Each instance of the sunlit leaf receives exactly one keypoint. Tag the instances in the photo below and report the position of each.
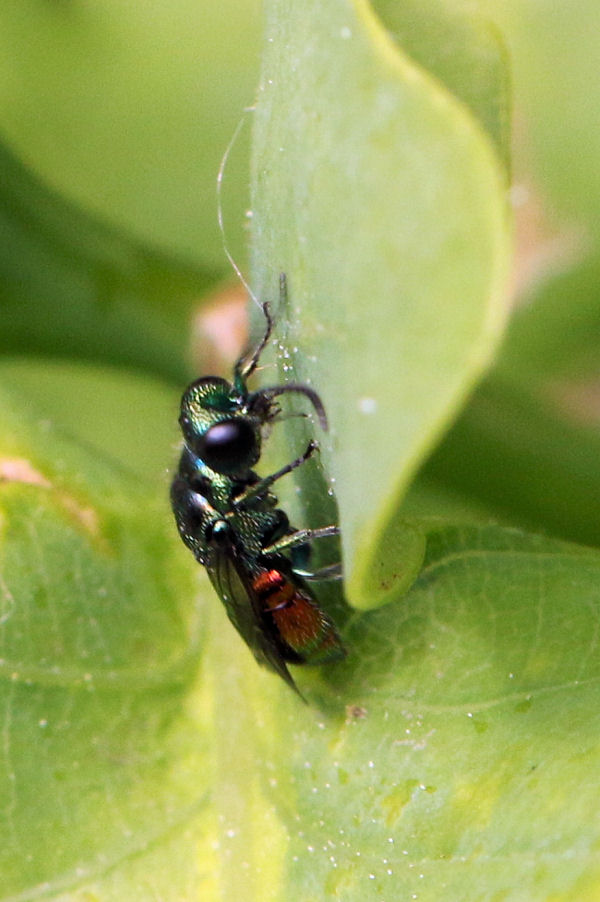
(127, 110)
(381, 198)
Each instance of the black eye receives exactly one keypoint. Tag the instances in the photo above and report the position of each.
(229, 447)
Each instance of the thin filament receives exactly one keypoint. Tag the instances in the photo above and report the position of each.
(220, 176)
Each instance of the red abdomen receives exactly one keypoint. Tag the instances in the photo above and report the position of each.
(302, 627)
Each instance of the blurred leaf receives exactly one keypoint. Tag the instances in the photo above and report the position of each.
(71, 287)
(528, 444)
(557, 334)
(461, 49)
(99, 638)
(555, 55)
(514, 454)
(143, 101)
(128, 418)
(381, 198)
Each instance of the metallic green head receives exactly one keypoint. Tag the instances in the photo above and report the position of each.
(222, 422)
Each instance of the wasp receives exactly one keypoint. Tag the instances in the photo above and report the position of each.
(228, 516)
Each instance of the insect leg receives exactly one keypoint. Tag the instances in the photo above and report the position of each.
(333, 571)
(263, 485)
(274, 391)
(300, 537)
(245, 367)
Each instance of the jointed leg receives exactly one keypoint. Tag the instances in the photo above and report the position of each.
(333, 571)
(244, 367)
(261, 487)
(300, 537)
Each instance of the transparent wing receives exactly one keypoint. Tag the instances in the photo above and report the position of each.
(234, 586)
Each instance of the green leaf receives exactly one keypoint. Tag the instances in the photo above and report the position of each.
(513, 453)
(382, 199)
(527, 446)
(123, 774)
(455, 768)
(555, 337)
(554, 334)
(553, 50)
(128, 419)
(73, 287)
(143, 753)
(99, 637)
(144, 99)
(464, 51)
(401, 756)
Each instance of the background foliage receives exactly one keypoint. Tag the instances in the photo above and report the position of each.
(143, 754)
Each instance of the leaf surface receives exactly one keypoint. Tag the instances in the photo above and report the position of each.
(144, 100)
(99, 640)
(382, 199)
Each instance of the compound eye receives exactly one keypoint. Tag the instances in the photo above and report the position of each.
(229, 447)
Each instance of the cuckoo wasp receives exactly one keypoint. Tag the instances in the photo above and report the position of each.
(227, 515)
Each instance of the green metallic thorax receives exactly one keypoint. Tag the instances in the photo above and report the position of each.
(258, 522)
